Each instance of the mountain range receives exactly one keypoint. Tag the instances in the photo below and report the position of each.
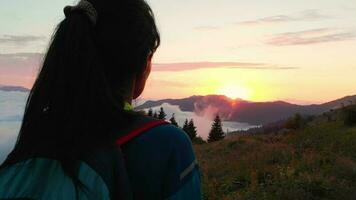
(236, 110)
(239, 110)
(7, 88)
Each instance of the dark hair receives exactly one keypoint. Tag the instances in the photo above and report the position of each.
(79, 94)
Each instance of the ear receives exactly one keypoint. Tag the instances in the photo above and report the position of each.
(141, 79)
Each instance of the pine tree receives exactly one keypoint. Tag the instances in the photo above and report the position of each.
(155, 115)
(162, 114)
(173, 121)
(150, 112)
(192, 132)
(185, 126)
(216, 132)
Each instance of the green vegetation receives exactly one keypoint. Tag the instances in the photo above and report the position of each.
(173, 121)
(350, 115)
(317, 161)
(162, 114)
(150, 112)
(295, 122)
(155, 115)
(216, 132)
(191, 131)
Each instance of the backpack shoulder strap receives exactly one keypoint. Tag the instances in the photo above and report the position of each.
(136, 132)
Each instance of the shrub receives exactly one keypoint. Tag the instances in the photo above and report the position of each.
(350, 115)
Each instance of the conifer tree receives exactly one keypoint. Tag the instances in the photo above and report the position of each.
(162, 114)
(192, 132)
(185, 126)
(173, 121)
(216, 132)
(150, 112)
(155, 115)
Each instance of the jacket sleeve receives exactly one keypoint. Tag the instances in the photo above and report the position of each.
(182, 176)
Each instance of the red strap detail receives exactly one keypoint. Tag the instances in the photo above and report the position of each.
(126, 138)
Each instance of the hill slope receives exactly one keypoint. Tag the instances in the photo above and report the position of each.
(318, 162)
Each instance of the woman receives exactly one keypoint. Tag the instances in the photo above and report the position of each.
(80, 137)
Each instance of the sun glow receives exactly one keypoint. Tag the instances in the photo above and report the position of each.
(234, 92)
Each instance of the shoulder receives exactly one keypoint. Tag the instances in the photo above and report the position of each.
(176, 137)
(164, 138)
(182, 176)
(166, 135)
(165, 155)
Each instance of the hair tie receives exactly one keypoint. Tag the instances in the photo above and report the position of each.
(84, 6)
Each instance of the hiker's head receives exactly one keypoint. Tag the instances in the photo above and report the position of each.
(98, 59)
(120, 38)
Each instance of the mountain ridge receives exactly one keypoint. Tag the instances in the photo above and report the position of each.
(240, 110)
(10, 88)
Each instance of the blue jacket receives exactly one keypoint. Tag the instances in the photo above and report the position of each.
(160, 164)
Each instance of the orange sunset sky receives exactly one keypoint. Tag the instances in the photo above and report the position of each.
(299, 51)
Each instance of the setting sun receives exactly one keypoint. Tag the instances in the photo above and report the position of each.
(234, 92)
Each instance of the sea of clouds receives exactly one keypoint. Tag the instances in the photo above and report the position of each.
(12, 105)
(202, 122)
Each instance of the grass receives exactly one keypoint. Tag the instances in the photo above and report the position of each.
(318, 162)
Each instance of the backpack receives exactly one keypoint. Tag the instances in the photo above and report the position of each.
(102, 173)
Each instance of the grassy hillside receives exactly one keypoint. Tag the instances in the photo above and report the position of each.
(317, 162)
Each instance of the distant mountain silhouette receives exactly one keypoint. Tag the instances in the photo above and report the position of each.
(7, 88)
(239, 110)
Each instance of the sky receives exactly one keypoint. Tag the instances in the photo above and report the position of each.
(300, 51)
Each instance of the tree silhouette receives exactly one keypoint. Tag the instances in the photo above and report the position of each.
(155, 115)
(185, 126)
(350, 116)
(173, 121)
(150, 112)
(216, 132)
(192, 130)
(295, 122)
(162, 114)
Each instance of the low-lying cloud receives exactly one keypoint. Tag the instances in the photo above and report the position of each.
(203, 121)
(12, 105)
(313, 36)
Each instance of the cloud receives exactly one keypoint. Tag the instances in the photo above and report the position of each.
(20, 39)
(306, 15)
(267, 67)
(206, 28)
(175, 84)
(12, 106)
(19, 62)
(19, 68)
(174, 67)
(22, 68)
(313, 36)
